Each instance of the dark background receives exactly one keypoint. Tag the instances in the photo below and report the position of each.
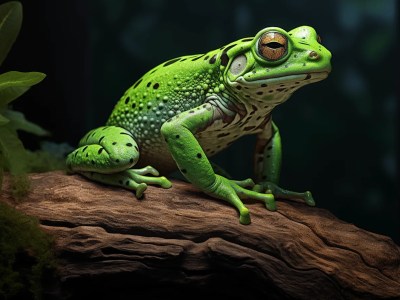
(340, 136)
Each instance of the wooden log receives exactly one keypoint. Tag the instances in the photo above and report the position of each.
(182, 242)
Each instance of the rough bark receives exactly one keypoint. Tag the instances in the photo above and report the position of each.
(182, 242)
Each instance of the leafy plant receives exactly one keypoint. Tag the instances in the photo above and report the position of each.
(25, 251)
(13, 156)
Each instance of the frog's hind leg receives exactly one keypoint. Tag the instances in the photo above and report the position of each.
(107, 154)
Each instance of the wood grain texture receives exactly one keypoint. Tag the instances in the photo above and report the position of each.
(181, 242)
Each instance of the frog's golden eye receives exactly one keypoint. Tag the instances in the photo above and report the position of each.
(272, 45)
(319, 39)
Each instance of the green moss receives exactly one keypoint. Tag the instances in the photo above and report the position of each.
(45, 161)
(20, 186)
(25, 255)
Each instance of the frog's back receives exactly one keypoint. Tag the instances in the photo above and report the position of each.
(165, 91)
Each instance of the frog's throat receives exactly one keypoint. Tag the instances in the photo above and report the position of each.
(310, 77)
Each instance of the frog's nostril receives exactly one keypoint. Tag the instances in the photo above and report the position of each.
(313, 55)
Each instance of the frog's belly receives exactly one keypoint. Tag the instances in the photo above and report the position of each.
(219, 135)
(213, 142)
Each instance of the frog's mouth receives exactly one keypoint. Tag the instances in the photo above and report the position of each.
(298, 79)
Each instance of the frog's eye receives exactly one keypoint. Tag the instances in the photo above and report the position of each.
(272, 45)
(319, 39)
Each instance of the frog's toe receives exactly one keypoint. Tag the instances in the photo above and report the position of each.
(268, 198)
(147, 170)
(278, 192)
(244, 216)
(140, 188)
(270, 203)
(247, 183)
(137, 176)
(308, 198)
(165, 183)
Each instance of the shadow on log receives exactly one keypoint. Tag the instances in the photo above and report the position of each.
(179, 242)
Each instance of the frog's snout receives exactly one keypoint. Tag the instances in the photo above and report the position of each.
(323, 58)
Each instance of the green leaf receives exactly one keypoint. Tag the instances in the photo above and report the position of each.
(18, 122)
(1, 171)
(3, 120)
(13, 84)
(13, 151)
(10, 24)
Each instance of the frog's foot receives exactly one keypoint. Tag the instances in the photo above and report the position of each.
(233, 191)
(139, 176)
(132, 179)
(278, 192)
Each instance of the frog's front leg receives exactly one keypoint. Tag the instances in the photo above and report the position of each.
(107, 155)
(267, 160)
(195, 166)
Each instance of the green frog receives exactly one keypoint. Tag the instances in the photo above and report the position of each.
(184, 111)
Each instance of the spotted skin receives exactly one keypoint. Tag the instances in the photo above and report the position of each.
(104, 150)
(189, 108)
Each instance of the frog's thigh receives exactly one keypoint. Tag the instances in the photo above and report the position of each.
(105, 150)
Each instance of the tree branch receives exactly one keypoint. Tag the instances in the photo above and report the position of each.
(182, 242)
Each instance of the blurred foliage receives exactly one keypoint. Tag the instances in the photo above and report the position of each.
(50, 157)
(24, 249)
(13, 156)
(339, 135)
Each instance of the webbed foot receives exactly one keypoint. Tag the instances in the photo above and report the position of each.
(233, 191)
(278, 192)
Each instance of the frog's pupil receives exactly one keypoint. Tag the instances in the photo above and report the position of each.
(274, 45)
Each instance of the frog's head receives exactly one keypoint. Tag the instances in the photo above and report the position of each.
(275, 63)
